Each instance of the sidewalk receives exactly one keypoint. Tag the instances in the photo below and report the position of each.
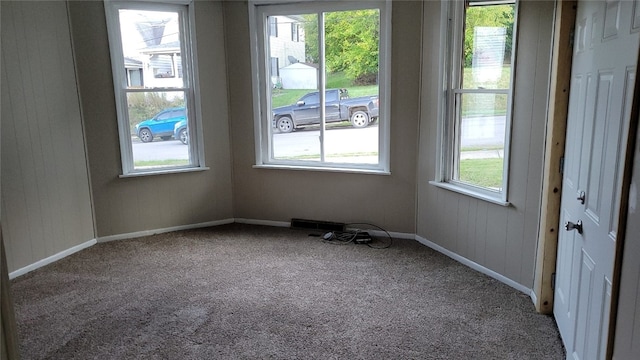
(482, 154)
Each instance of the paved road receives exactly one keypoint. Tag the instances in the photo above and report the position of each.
(159, 150)
(341, 144)
(306, 142)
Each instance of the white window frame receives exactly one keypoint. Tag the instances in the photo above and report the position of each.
(259, 10)
(190, 82)
(452, 41)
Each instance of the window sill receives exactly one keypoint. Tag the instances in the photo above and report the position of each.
(163, 171)
(325, 169)
(470, 192)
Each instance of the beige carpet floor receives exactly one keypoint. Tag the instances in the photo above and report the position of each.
(253, 292)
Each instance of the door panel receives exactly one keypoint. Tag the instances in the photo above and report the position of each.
(605, 54)
(598, 135)
(585, 288)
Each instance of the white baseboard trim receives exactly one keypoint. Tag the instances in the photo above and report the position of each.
(263, 222)
(473, 265)
(138, 234)
(534, 297)
(376, 232)
(51, 259)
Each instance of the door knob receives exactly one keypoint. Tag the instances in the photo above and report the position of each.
(571, 226)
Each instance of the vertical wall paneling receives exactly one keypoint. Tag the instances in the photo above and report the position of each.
(131, 205)
(463, 205)
(472, 228)
(46, 203)
(502, 239)
(480, 235)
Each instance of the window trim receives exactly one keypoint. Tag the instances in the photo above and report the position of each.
(452, 40)
(188, 50)
(263, 151)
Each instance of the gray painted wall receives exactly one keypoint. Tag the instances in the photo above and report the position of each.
(46, 202)
(127, 205)
(499, 238)
(279, 195)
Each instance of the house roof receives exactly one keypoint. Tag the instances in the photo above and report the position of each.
(130, 62)
(167, 48)
(301, 65)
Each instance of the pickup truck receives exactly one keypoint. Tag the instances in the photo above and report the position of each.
(360, 111)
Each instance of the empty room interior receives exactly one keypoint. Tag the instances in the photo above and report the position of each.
(164, 162)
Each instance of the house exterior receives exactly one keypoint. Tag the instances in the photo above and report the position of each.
(286, 43)
(162, 65)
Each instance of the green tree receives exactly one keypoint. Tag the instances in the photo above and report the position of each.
(490, 16)
(351, 43)
(311, 38)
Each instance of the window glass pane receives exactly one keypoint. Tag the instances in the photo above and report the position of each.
(294, 90)
(352, 40)
(481, 140)
(488, 39)
(151, 48)
(351, 79)
(156, 123)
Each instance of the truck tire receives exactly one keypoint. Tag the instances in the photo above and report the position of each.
(285, 124)
(359, 119)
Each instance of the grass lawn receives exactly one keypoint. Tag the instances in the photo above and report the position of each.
(482, 172)
(282, 97)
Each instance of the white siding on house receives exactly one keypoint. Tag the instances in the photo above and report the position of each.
(283, 47)
(46, 204)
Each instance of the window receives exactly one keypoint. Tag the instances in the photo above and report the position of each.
(294, 32)
(153, 77)
(478, 73)
(330, 110)
(275, 67)
(273, 26)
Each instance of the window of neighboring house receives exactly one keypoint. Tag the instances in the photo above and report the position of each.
(294, 32)
(273, 26)
(134, 77)
(275, 68)
(331, 110)
(153, 102)
(476, 115)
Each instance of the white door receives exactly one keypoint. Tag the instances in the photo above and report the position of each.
(604, 59)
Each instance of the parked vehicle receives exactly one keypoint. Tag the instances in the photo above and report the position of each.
(161, 125)
(180, 131)
(361, 111)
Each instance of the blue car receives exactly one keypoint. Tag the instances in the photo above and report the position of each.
(161, 125)
(181, 132)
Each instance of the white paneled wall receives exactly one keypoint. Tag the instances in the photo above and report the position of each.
(46, 202)
(501, 239)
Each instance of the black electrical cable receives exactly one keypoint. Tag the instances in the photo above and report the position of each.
(348, 237)
(385, 246)
(339, 237)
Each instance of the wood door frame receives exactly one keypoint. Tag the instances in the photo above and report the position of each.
(548, 227)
